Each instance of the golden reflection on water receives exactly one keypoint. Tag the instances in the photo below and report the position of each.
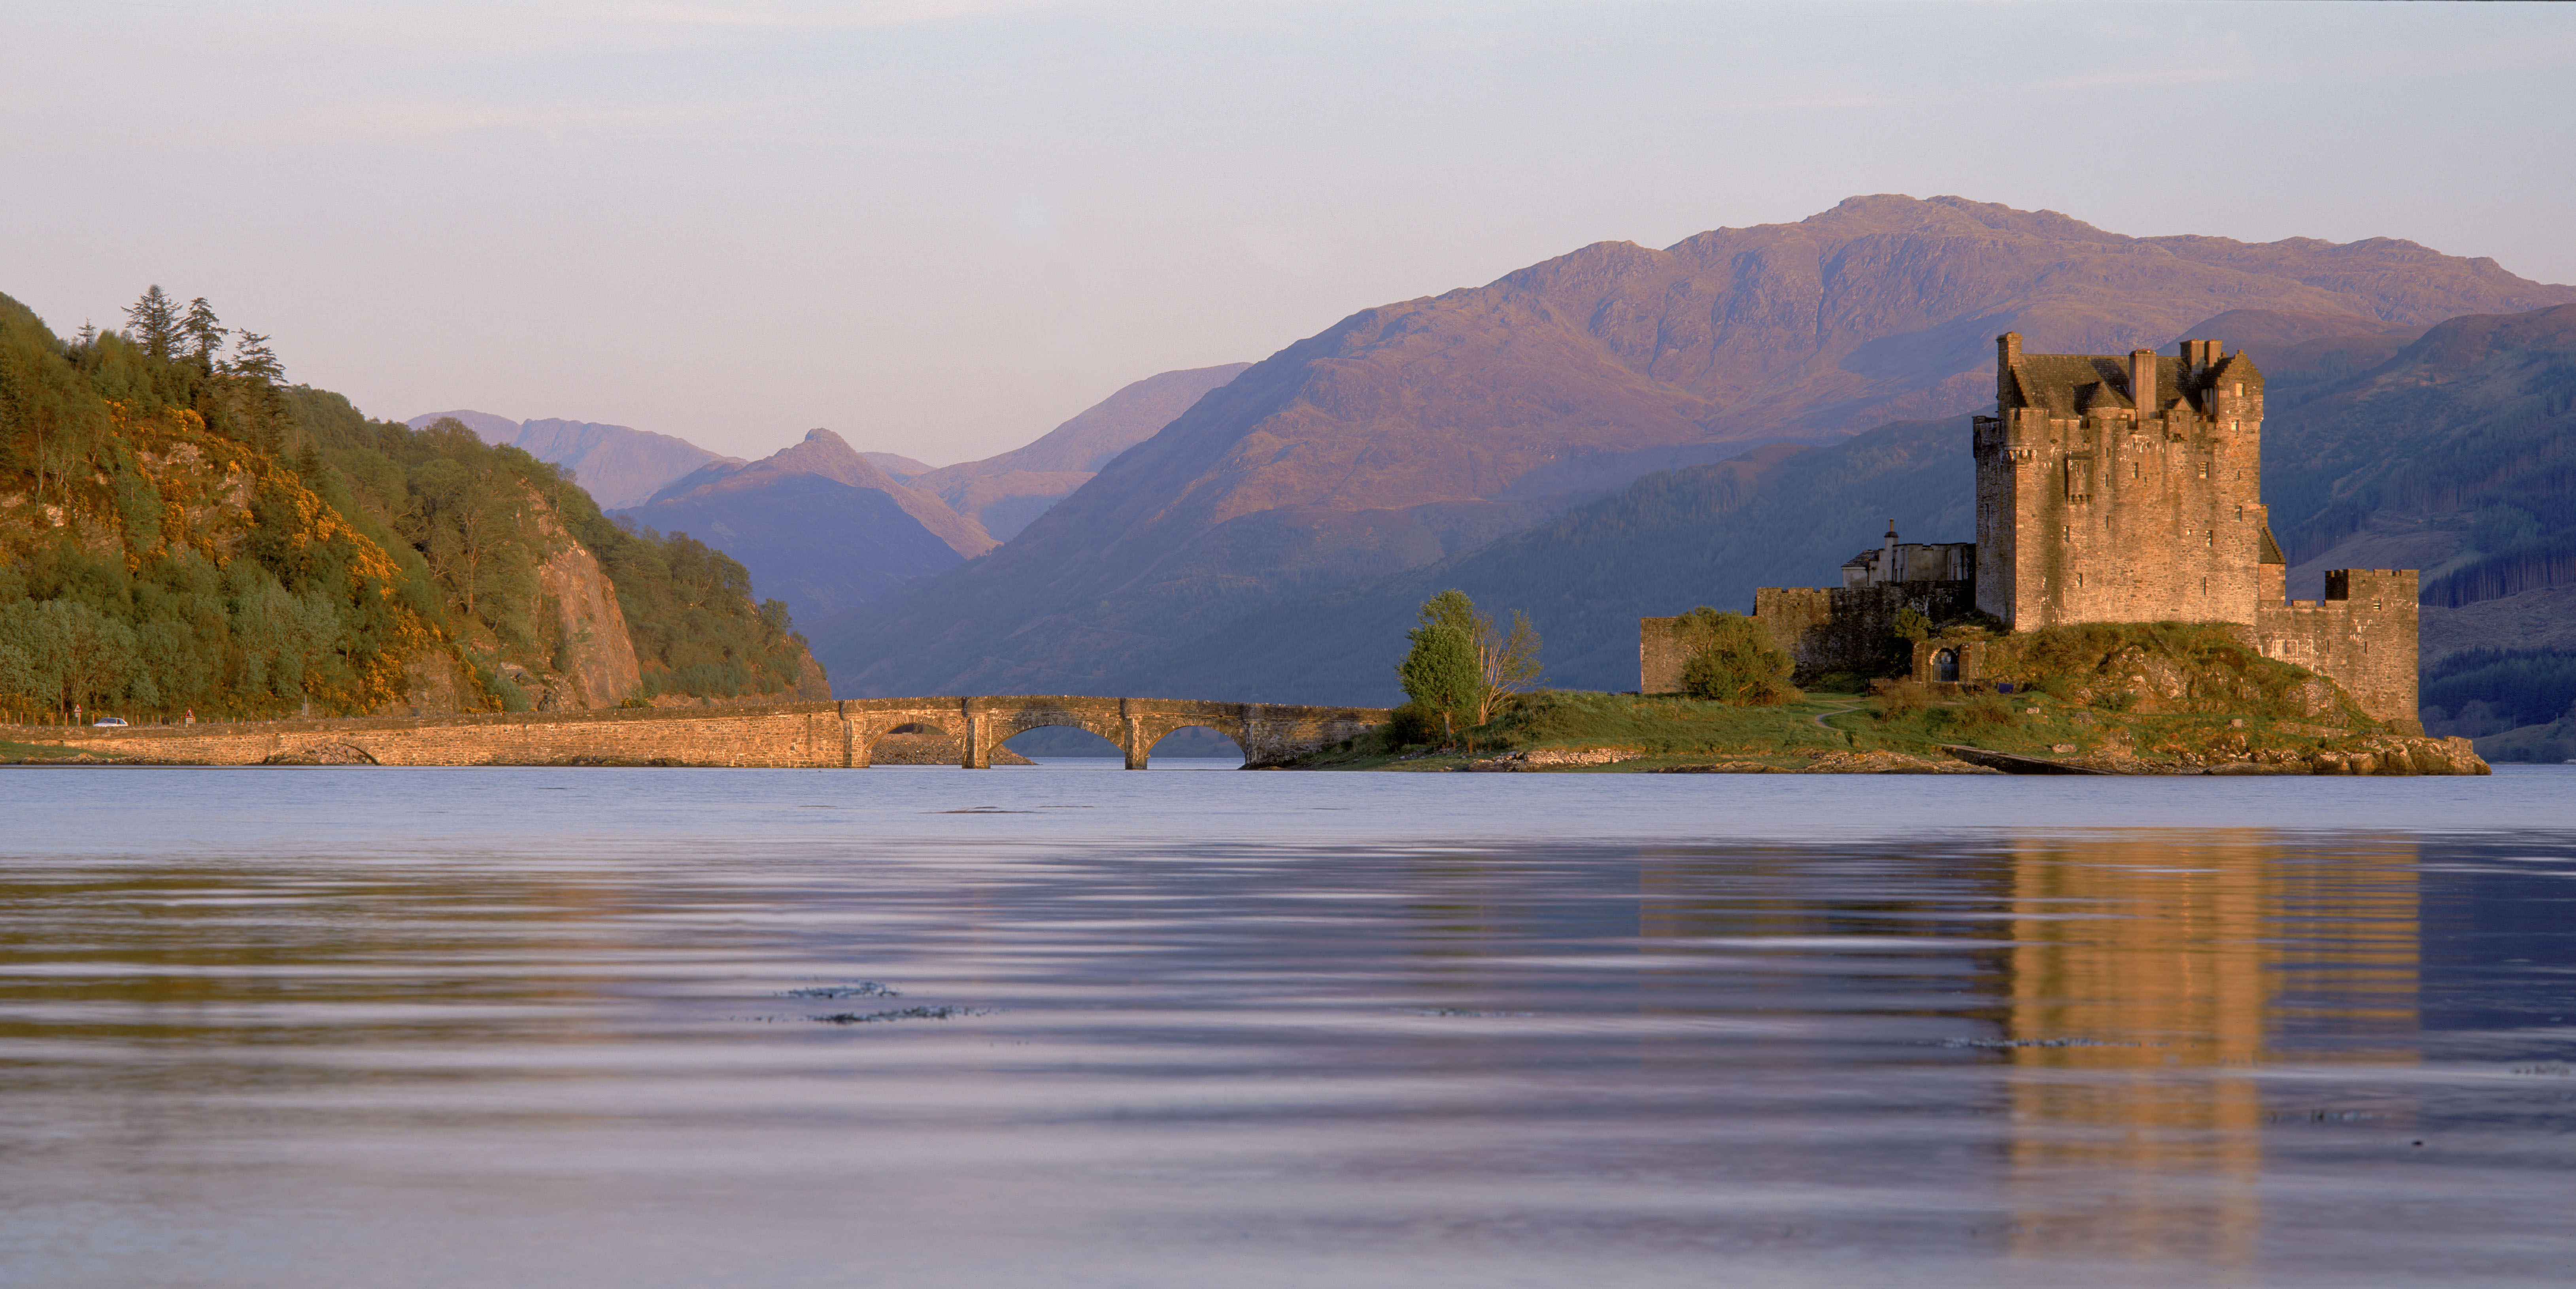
(2148, 981)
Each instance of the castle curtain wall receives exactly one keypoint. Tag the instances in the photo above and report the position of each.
(2363, 635)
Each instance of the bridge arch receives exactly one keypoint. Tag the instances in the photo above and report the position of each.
(1157, 745)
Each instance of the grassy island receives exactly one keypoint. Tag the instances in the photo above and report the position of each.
(2160, 698)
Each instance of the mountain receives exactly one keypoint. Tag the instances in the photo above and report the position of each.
(818, 524)
(1005, 492)
(618, 466)
(1416, 431)
(901, 469)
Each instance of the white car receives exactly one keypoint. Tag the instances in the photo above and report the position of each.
(109, 720)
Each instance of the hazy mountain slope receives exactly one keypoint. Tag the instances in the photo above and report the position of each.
(818, 525)
(2300, 353)
(2457, 456)
(1778, 516)
(815, 542)
(495, 430)
(1005, 492)
(826, 454)
(901, 469)
(1410, 432)
(616, 465)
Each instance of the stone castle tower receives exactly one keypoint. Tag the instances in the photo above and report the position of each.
(2122, 490)
(2109, 489)
(2131, 490)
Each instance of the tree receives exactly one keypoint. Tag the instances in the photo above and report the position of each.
(155, 322)
(1508, 664)
(1462, 666)
(1733, 659)
(205, 335)
(253, 358)
(1439, 673)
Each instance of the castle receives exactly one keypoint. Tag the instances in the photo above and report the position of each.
(2109, 489)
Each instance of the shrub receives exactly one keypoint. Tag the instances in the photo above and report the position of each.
(1734, 660)
(1411, 725)
(1985, 710)
(1900, 697)
(1769, 692)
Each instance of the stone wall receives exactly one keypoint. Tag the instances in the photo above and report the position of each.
(775, 736)
(1823, 628)
(2362, 636)
(1857, 630)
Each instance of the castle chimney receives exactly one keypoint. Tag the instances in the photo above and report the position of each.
(1887, 558)
(2142, 381)
(2007, 356)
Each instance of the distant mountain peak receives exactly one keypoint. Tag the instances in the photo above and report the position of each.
(827, 455)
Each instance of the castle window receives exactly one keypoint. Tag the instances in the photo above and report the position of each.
(2213, 536)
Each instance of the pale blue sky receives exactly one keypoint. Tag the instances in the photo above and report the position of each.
(941, 227)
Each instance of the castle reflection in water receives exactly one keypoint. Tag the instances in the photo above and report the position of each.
(2134, 987)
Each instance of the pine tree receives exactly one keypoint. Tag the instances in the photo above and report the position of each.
(155, 322)
(253, 358)
(204, 333)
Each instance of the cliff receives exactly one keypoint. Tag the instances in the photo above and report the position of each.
(597, 657)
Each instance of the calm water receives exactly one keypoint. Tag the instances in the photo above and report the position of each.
(436, 1027)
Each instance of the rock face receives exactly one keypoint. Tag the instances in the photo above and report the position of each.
(1409, 433)
(600, 668)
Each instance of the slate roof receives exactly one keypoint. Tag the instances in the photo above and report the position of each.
(2070, 384)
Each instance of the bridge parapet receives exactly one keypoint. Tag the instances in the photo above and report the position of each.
(782, 735)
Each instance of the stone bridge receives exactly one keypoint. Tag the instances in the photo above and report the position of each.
(783, 735)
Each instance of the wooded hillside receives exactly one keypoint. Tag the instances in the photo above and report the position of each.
(184, 531)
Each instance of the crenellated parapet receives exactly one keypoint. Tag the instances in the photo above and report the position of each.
(2362, 634)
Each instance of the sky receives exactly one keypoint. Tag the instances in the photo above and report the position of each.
(940, 227)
